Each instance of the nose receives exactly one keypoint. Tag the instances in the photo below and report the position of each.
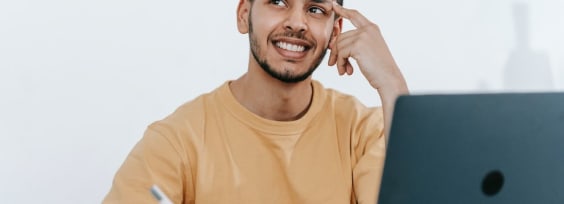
(296, 21)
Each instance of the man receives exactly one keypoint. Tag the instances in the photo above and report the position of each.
(275, 135)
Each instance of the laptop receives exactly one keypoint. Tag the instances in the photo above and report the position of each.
(476, 148)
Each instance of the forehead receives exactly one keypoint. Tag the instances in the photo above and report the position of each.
(305, 1)
(314, 1)
(320, 1)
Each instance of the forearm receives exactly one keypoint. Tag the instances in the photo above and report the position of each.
(388, 95)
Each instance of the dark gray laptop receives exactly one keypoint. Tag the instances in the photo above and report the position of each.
(476, 148)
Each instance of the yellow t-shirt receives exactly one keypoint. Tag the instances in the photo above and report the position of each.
(213, 150)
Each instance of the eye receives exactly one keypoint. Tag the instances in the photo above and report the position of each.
(278, 3)
(316, 10)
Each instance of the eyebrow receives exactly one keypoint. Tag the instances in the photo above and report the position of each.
(321, 1)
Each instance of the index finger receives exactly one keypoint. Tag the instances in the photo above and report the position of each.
(355, 17)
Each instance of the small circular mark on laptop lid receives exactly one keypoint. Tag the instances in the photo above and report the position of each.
(492, 183)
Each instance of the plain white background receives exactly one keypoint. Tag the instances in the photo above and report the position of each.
(81, 80)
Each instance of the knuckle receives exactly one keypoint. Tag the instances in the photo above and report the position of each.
(373, 28)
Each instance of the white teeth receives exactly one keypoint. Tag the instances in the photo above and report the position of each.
(290, 47)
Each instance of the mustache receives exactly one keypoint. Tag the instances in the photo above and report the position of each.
(294, 34)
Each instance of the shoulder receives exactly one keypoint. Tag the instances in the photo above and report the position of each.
(185, 127)
(349, 107)
(353, 116)
(189, 115)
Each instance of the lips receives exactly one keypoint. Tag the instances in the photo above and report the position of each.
(292, 48)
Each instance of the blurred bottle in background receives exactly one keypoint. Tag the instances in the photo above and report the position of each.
(526, 69)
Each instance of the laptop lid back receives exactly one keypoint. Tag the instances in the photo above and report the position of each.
(476, 148)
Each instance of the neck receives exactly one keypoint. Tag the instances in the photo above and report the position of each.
(270, 98)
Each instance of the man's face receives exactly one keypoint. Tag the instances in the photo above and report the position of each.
(289, 38)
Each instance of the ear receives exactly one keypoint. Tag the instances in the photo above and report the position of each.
(243, 10)
(337, 28)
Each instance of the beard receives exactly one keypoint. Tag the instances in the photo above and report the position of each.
(284, 75)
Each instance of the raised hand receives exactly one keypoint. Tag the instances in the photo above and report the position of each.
(366, 45)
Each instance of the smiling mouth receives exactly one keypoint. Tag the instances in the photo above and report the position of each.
(290, 46)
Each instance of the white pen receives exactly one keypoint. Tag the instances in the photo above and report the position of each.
(160, 195)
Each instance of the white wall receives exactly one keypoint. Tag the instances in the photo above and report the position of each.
(80, 80)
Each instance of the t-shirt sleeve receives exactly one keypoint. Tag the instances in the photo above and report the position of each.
(370, 152)
(155, 160)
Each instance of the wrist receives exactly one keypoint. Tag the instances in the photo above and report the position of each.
(390, 91)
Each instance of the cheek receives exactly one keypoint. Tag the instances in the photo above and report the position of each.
(322, 34)
(262, 27)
